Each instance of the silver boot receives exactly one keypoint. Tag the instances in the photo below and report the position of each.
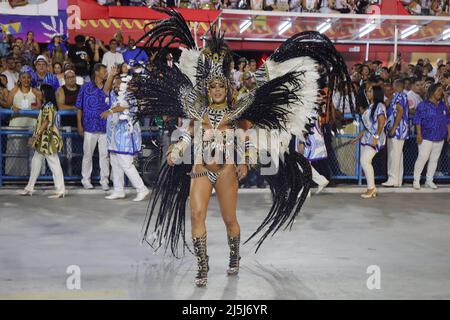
(233, 243)
(202, 261)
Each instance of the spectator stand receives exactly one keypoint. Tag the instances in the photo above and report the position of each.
(265, 30)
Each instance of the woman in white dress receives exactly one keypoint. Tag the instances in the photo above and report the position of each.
(21, 97)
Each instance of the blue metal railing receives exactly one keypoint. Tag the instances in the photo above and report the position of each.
(7, 131)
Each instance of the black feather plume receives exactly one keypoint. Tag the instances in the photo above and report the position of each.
(161, 91)
(271, 104)
(168, 201)
(290, 187)
(172, 30)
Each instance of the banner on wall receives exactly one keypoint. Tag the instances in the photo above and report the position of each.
(29, 7)
(43, 26)
(102, 22)
(12, 28)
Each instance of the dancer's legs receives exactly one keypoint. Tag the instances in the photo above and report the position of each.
(226, 190)
(199, 196)
(367, 154)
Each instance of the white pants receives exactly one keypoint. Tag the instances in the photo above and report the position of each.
(89, 143)
(395, 161)
(367, 154)
(317, 177)
(55, 167)
(428, 151)
(123, 164)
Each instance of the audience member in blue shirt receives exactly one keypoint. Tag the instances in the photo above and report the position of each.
(397, 132)
(92, 101)
(41, 76)
(134, 56)
(432, 121)
(57, 49)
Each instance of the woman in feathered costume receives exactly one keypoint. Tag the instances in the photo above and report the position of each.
(199, 88)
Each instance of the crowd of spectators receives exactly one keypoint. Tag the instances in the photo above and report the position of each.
(427, 7)
(364, 74)
(324, 6)
(415, 7)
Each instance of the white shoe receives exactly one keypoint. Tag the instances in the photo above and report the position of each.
(431, 185)
(87, 185)
(322, 186)
(416, 185)
(57, 195)
(105, 186)
(388, 184)
(25, 192)
(115, 196)
(141, 196)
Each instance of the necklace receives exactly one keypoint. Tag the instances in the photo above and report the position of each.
(218, 106)
(216, 116)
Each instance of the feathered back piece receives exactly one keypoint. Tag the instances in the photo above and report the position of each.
(286, 98)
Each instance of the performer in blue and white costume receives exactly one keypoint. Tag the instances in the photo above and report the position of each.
(314, 149)
(124, 141)
(397, 132)
(372, 136)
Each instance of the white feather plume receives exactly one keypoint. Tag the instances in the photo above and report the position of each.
(188, 63)
(306, 107)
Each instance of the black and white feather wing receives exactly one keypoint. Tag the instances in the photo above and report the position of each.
(166, 91)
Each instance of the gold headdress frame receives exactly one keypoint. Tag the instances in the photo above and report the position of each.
(222, 78)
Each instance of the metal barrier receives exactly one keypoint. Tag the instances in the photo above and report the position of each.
(344, 160)
(15, 155)
(350, 154)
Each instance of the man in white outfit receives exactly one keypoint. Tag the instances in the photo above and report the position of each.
(92, 101)
(398, 132)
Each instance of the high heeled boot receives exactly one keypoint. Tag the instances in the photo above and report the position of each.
(202, 261)
(233, 266)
